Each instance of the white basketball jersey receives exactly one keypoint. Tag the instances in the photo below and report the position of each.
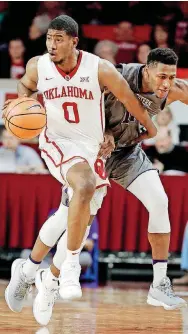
(74, 102)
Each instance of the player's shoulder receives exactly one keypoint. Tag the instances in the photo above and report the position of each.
(106, 66)
(32, 64)
(88, 54)
(89, 58)
(35, 60)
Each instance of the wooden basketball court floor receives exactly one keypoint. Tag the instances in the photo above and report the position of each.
(114, 309)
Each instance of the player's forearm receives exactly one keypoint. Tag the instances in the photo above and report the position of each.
(134, 108)
(25, 91)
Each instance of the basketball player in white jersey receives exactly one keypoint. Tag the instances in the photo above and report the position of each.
(72, 83)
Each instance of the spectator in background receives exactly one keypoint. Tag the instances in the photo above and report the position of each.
(160, 37)
(167, 157)
(184, 260)
(106, 50)
(88, 12)
(52, 8)
(142, 53)
(37, 36)
(164, 120)
(12, 65)
(170, 14)
(125, 40)
(181, 36)
(17, 158)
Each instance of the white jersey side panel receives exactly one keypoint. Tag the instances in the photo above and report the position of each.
(74, 104)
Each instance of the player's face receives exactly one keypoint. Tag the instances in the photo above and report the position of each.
(161, 78)
(60, 45)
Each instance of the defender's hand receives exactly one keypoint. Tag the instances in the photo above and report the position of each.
(107, 146)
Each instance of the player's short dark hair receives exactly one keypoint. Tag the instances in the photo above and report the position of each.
(65, 23)
(162, 55)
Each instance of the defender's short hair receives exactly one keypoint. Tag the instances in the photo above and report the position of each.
(65, 23)
(162, 55)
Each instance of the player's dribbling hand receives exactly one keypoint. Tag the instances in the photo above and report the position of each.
(108, 146)
(6, 104)
(4, 109)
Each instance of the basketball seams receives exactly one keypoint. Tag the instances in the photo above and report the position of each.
(18, 104)
(20, 127)
(13, 132)
(28, 114)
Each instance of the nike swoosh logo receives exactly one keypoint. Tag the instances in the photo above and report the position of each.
(49, 78)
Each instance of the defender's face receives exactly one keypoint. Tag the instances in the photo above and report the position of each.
(60, 45)
(161, 78)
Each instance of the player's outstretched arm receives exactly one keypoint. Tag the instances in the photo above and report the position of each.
(109, 77)
(179, 92)
(27, 85)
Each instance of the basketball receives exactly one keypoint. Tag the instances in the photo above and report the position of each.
(25, 118)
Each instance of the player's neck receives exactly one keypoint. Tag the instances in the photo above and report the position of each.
(70, 63)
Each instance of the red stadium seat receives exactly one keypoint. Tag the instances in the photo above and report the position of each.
(182, 73)
(142, 33)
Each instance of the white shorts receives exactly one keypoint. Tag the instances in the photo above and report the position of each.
(61, 154)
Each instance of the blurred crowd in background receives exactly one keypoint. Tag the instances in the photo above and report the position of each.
(23, 27)
(24, 36)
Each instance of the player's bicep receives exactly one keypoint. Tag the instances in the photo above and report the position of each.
(29, 83)
(109, 77)
(30, 78)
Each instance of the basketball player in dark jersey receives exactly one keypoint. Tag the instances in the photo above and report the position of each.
(155, 85)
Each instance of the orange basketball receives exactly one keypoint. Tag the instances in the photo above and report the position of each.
(25, 118)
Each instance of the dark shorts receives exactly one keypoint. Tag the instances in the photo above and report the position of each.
(125, 165)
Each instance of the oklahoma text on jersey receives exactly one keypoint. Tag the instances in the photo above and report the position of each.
(68, 91)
